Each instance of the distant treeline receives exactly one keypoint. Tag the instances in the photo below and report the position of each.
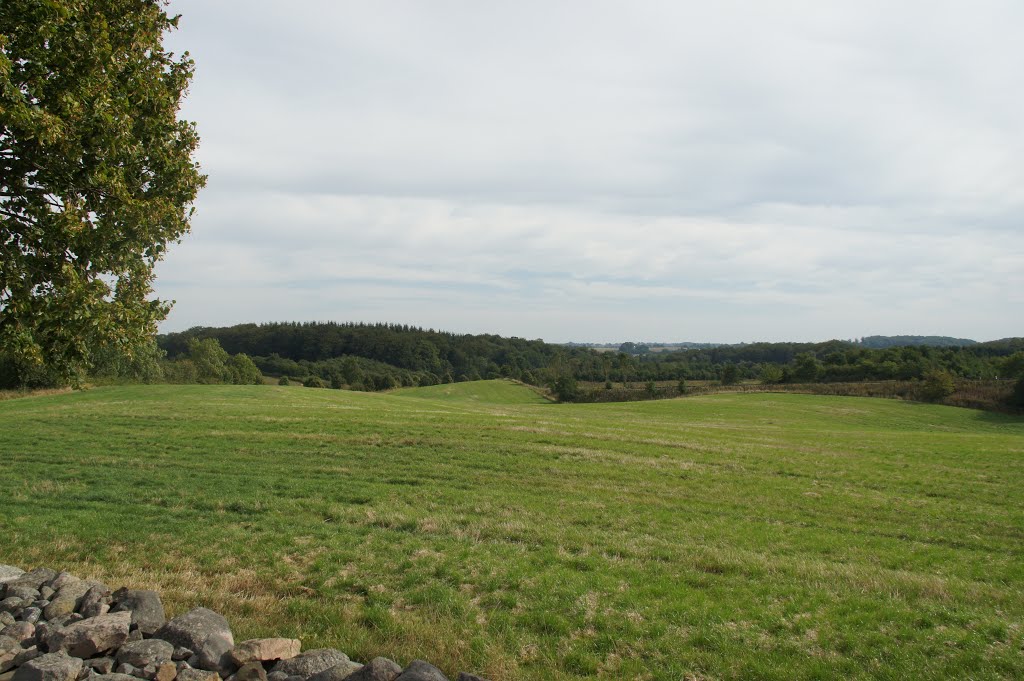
(830, 361)
(381, 356)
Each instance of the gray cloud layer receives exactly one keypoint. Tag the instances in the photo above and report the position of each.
(705, 171)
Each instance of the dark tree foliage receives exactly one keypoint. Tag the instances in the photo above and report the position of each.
(381, 356)
(368, 356)
(96, 179)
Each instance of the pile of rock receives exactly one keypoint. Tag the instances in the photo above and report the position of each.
(56, 627)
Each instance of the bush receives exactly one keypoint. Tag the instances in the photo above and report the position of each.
(771, 374)
(283, 381)
(1017, 398)
(242, 370)
(314, 382)
(565, 388)
(937, 386)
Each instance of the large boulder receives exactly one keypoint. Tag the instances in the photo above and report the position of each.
(144, 605)
(418, 670)
(265, 650)
(50, 667)
(378, 669)
(202, 631)
(92, 636)
(311, 662)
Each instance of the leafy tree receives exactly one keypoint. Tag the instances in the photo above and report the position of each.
(730, 374)
(210, 360)
(682, 386)
(771, 373)
(1017, 398)
(96, 179)
(938, 384)
(565, 387)
(807, 369)
(243, 371)
(283, 381)
(1013, 366)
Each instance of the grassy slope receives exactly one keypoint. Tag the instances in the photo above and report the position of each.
(733, 536)
(484, 392)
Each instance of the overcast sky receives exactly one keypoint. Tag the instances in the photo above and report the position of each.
(596, 171)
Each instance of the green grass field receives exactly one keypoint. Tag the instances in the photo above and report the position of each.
(761, 536)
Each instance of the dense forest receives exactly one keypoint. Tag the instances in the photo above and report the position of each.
(382, 356)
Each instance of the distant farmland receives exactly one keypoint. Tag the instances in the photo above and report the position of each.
(768, 536)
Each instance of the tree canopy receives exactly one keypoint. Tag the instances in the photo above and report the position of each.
(96, 179)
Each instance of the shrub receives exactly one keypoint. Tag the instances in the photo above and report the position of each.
(938, 385)
(314, 382)
(283, 381)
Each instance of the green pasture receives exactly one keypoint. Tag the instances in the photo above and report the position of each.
(753, 536)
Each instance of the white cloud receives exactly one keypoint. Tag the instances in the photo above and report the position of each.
(721, 171)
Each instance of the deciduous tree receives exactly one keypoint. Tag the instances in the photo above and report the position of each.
(97, 177)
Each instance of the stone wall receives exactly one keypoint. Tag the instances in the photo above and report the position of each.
(57, 627)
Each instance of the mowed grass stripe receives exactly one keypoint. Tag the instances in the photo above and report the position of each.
(732, 536)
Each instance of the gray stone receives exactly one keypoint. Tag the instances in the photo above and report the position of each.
(379, 669)
(8, 643)
(43, 631)
(418, 670)
(9, 573)
(7, 659)
(142, 653)
(338, 672)
(6, 619)
(311, 662)
(96, 601)
(33, 579)
(277, 676)
(22, 632)
(135, 635)
(46, 592)
(295, 677)
(465, 676)
(25, 593)
(101, 665)
(65, 620)
(31, 615)
(115, 676)
(26, 655)
(189, 674)
(202, 631)
(181, 654)
(13, 605)
(265, 650)
(49, 667)
(145, 606)
(125, 668)
(251, 671)
(92, 636)
(161, 671)
(60, 607)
